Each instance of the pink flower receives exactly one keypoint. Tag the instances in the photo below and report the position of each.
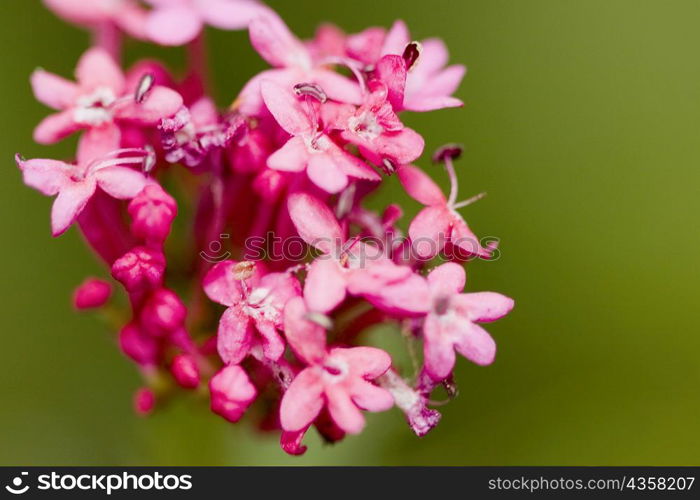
(379, 133)
(452, 321)
(185, 371)
(139, 269)
(176, 22)
(429, 85)
(439, 223)
(98, 103)
(339, 378)
(350, 266)
(76, 184)
(152, 212)
(231, 393)
(327, 164)
(126, 14)
(293, 63)
(92, 293)
(255, 303)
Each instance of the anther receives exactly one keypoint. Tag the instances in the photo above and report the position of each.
(243, 270)
(411, 54)
(451, 151)
(311, 90)
(144, 87)
(149, 161)
(388, 166)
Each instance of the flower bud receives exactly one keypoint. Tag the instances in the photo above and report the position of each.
(144, 401)
(231, 393)
(140, 268)
(163, 313)
(92, 293)
(152, 213)
(185, 371)
(139, 347)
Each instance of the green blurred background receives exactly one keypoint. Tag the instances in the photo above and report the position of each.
(582, 122)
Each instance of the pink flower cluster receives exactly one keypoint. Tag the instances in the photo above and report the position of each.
(296, 155)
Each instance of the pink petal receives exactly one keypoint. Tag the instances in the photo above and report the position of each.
(302, 402)
(231, 393)
(391, 70)
(370, 397)
(476, 345)
(429, 231)
(366, 45)
(121, 182)
(46, 176)
(221, 286)
(173, 25)
(52, 90)
(55, 127)
(466, 240)
(400, 295)
(80, 11)
(446, 82)
(306, 338)
(272, 343)
(286, 108)
(396, 39)
(483, 307)
(323, 172)
(96, 69)
(438, 350)
(338, 87)
(276, 44)
(353, 166)
(434, 57)
(69, 203)
(161, 102)
(230, 14)
(447, 279)
(97, 142)
(315, 222)
(365, 362)
(420, 104)
(420, 186)
(235, 335)
(343, 411)
(324, 288)
(401, 147)
(292, 157)
(283, 287)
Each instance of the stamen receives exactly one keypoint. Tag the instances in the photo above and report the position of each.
(352, 66)
(144, 87)
(451, 151)
(145, 157)
(469, 201)
(311, 90)
(388, 166)
(319, 319)
(149, 160)
(411, 54)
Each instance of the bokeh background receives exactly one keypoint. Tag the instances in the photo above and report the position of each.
(582, 122)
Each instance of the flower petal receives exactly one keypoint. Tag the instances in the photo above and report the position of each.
(52, 90)
(391, 70)
(272, 343)
(285, 107)
(96, 69)
(221, 286)
(447, 279)
(46, 176)
(307, 339)
(160, 102)
(324, 288)
(173, 25)
(234, 338)
(476, 345)
(323, 172)
(302, 402)
(420, 186)
(438, 350)
(370, 397)
(315, 222)
(292, 157)
(396, 39)
(55, 127)
(97, 142)
(429, 231)
(365, 362)
(122, 183)
(230, 15)
(343, 411)
(274, 42)
(69, 203)
(483, 307)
